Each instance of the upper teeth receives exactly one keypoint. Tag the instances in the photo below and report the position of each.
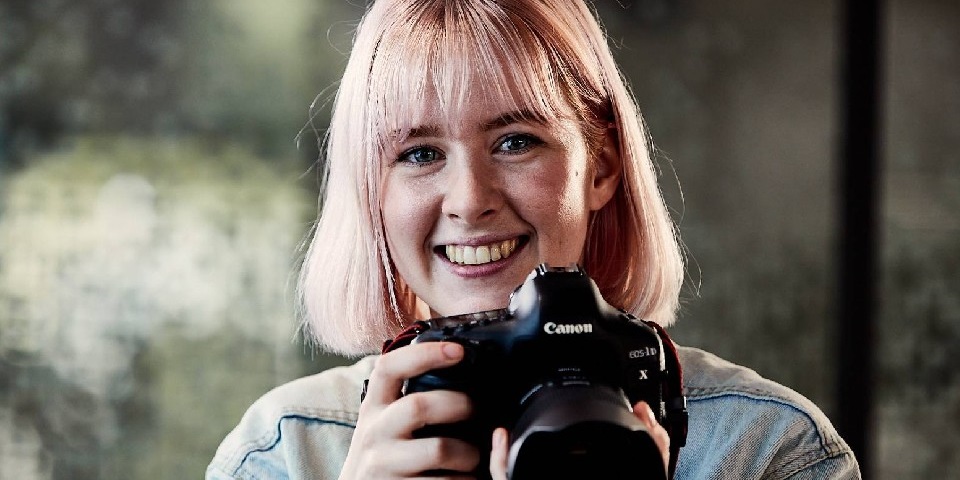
(476, 255)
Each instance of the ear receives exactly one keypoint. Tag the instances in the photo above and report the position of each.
(606, 172)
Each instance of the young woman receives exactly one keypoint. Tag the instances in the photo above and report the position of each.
(472, 140)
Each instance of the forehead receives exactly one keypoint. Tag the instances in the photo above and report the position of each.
(469, 74)
(477, 98)
(478, 112)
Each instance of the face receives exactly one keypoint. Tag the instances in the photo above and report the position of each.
(471, 206)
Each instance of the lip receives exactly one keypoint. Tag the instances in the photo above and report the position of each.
(491, 268)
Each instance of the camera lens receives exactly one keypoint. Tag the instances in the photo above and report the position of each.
(582, 431)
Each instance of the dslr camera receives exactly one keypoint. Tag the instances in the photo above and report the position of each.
(560, 368)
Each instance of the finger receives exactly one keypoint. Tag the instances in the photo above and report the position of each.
(656, 431)
(498, 455)
(418, 410)
(393, 368)
(414, 457)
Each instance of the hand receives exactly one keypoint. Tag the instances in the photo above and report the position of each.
(383, 444)
(660, 436)
(499, 449)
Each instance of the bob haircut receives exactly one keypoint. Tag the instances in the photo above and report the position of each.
(539, 56)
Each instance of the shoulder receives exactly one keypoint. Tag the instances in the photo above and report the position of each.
(707, 375)
(332, 395)
(758, 427)
(304, 424)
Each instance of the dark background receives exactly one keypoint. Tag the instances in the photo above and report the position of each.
(156, 178)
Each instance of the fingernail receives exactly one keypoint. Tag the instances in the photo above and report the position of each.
(452, 350)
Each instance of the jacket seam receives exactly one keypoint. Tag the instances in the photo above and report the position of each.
(830, 446)
(818, 459)
(276, 437)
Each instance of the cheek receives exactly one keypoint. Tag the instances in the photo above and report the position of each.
(406, 216)
(556, 207)
(557, 197)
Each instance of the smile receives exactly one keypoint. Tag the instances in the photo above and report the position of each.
(480, 254)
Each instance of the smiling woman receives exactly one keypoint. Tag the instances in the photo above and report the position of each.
(471, 141)
(482, 79)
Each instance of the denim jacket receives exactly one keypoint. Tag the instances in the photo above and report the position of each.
(741, 426)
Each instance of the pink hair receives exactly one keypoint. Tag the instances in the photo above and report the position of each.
(545, 57)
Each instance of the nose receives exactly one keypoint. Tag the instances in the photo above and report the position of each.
(473, 192)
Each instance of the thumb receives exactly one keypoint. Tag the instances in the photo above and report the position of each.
(498, 454)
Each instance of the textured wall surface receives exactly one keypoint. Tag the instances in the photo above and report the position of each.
(918, 358)
(153, 194)
(144, 305)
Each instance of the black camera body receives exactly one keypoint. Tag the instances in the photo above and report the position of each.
(560, 368)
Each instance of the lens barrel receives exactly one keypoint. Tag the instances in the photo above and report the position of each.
(581, 431)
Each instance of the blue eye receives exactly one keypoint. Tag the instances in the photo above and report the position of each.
(518, 143)
(420, 156)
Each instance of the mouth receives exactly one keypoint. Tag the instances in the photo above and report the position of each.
(481, 254)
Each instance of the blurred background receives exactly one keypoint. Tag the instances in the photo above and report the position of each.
(157, 176)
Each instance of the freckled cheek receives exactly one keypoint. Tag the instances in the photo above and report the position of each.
(556, 206)
(406, 218)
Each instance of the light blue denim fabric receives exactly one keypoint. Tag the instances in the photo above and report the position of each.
(741, 426)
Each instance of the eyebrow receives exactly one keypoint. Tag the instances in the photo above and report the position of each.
(502, 120)
(516, 116)
(418, 132)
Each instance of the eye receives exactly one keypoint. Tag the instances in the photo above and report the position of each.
(420, 156)
(518, 143)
